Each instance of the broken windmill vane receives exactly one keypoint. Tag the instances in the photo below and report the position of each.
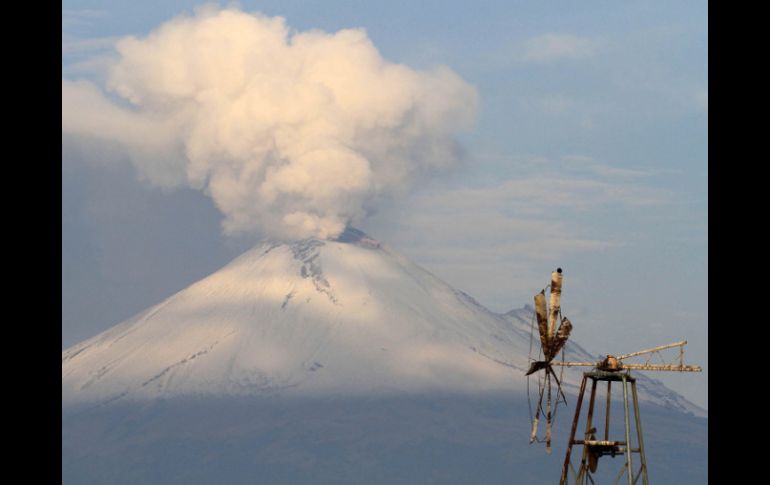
(611, 368)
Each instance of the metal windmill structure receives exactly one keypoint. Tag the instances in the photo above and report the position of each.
(610, 369)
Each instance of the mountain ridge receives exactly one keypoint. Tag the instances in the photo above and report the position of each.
(308, 317)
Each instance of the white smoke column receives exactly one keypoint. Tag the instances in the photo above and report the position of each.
(292, 134)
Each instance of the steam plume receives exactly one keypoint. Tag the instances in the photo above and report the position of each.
(294, 134)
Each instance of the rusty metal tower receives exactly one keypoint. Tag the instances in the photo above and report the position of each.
(610, 369)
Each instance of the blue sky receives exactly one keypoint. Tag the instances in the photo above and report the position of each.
(589, 152)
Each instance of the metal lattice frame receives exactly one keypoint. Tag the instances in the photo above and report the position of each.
(611, 368)
(593, 448)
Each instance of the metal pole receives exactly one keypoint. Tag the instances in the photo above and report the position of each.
(555, 306)
(535, 422)
(655, 367)
(628, 432)
(607, 416)
(666, 367)
(654, 349)
(564, 470)
(574, 364)
(642, 458)
(548, 415)
(583, 466)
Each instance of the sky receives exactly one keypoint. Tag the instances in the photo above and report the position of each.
(569, 134)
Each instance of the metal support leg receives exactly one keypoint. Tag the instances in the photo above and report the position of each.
(629, 468)
(642, 458)
(607, 413)
(583, 462)
(565, 469)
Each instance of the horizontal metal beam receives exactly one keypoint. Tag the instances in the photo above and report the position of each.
(599, 442)
(674, 368)
(656, 367)
(654, 349)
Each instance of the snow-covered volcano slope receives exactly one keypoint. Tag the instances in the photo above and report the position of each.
(313, 317)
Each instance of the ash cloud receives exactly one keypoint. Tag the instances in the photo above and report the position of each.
(292, 134)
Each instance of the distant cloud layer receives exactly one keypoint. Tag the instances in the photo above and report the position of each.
(291, 134)
(557, 46)
(554, 210)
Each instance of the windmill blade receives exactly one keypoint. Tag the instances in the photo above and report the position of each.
(555, 304)
(548, 416)
(542, 322)
(558, 384)
(551, 342)
(536, 366)
(558, 341)
(546, 389)
(536, 421)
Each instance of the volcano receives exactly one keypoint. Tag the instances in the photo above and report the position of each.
(326, 362)
(349, 316)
